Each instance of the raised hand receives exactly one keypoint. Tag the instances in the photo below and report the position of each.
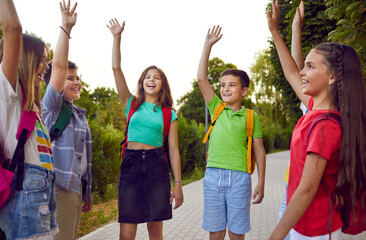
(115, 27)
(213, 36)
(299, 16)
(273, 16)
(68, 16)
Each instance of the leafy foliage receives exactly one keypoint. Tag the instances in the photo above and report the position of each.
(106, 156)
(191, 148)
(351, 25)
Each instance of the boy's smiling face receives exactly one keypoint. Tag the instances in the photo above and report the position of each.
(231, 90)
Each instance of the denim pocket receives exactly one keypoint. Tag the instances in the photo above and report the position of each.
(35, 183)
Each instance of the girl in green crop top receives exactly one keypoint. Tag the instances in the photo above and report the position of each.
(144, 189)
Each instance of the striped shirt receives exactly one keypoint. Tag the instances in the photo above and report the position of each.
(68, 148)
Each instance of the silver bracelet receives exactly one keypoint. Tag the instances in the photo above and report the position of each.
(178, 182)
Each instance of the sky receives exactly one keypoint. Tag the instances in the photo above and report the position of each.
(167, 33)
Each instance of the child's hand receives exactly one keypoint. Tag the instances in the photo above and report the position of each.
(299, 16)
(177, 194)
(258, 194)
(273, 17)
(213, 35)
(68, 16)
(115, 27)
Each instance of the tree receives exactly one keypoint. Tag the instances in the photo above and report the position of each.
(268, 99)
(192, 105)
(315, 30)
(351, 25)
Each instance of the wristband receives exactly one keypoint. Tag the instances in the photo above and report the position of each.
(65, 32)
(178, 182)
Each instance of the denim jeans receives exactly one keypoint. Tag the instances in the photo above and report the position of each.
(32, 211)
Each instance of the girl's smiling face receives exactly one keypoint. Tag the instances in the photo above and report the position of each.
(315, 75)
(42, 68)
(152, 83)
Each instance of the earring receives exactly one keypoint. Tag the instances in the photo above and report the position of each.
(330, 83)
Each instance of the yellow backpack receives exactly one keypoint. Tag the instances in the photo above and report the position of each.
(249, 126)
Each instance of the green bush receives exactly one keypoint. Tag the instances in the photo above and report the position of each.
(268, 140)
(191, 148)
(106, 157)
(282, 138)
(276, 138)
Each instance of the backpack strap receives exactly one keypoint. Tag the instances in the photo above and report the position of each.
(218, 110)
(167, 116)
(25, 129)
(62, 121)
(336, 119)
(250, 129)
(124, 142)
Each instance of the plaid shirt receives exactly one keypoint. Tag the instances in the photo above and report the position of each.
(68, 148)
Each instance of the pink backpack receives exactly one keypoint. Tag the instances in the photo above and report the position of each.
(25, 129)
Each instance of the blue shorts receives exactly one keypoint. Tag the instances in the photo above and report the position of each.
(227, 195)
(32, 211)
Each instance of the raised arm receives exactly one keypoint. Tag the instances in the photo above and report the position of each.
(122, 88)
(296, 49)
(61, 56)
(12, 37)
(289, 66)
(211, 38)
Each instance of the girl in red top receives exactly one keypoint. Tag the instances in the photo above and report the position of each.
(331, 82)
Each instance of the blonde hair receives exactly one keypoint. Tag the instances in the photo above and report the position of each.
(31, 56)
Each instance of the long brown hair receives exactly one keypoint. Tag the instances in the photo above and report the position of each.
(32, 53)
(164, 98)
(348, 94)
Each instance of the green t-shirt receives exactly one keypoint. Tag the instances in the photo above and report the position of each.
(228, 139)
(146, 124)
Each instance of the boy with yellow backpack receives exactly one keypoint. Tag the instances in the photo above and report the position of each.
(227, 181)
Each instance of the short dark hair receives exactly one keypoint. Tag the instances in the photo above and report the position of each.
(242, 75)
(47, 75)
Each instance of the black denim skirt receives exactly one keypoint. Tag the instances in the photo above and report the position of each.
(144, 187)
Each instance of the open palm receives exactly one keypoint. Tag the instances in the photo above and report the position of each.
(68, 16)
(213, 35)
(115, 27)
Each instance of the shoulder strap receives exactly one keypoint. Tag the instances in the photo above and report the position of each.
(167, 116)
(25, 129)
(27, 120)
(124, 142)
(250, 127)
(217, 112)
(337, 119)
(326, 116)
(62, 121)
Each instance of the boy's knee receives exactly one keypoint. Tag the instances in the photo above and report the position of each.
(234, 236)
(218, 235)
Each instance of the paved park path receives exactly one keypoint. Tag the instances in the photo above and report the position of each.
(186, 222)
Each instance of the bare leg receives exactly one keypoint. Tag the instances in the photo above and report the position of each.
(234, 236)
(218, 235)
(127, 231)
(155, 230)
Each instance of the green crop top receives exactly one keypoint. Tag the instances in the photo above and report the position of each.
(146, 125)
